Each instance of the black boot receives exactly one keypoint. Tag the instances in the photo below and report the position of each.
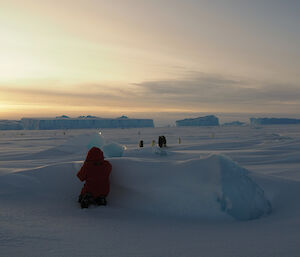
(101, 200)
(85, 200)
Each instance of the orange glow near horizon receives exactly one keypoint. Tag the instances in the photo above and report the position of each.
(16, 111)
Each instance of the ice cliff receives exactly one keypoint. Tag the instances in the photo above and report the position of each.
(82, 122)
(270, 121)
(10, 125)
(209, 120)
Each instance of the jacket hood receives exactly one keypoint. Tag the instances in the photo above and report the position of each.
(95, 155)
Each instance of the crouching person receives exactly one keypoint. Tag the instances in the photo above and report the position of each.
(95, 172)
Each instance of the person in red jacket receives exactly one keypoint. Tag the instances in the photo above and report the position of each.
(95, 172)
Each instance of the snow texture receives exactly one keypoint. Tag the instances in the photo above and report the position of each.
(234, 194)
(200, 182)
(97, 140)
(110, 149)
(241, 197)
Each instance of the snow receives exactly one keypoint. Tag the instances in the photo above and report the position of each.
(110, 149)
(234, 194)
(96, 140)
(188, 188)
(242, 198)
(113, 149)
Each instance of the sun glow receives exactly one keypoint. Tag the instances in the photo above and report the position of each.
(35, 48)
(144, 56)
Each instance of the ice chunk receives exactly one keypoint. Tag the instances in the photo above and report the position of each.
(113, 150)
(241, 197)
(97, 140)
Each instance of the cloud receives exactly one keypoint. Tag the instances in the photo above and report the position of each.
(216, 90)
(88, 95)
(194, 92)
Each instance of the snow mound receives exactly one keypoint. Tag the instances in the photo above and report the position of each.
(82, 143)
(76, 144)
(112, 150)
(241, 197)
(277, 137)
(207, 188)
(96, 140)
(160, 151)
(151, 153)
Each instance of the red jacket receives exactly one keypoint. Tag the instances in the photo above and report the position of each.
(95, 172)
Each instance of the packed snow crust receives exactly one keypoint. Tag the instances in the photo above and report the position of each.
(241, 197)
(202, 187)
(189, 199)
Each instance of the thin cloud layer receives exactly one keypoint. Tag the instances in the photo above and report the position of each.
(217, 91)
(196, 92)
(154, 56)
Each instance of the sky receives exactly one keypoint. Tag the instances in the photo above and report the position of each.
(142, 58)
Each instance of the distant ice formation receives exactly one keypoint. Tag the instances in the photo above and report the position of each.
(234, 123)
(83, 122)
(10, 125)
(209, 120)
(271, 121)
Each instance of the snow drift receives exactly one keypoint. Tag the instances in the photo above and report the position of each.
(193, 188)
(170, 202)
(241, 197)
(197, 188)
(82, 143)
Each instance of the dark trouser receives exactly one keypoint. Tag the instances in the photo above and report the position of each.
(86, 199)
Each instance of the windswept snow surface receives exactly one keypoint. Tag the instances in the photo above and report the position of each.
(234, 194)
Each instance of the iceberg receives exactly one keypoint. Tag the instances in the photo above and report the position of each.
(10, 125)
(209, 120)
(234, 123)
(271, 121)
(88, 122)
